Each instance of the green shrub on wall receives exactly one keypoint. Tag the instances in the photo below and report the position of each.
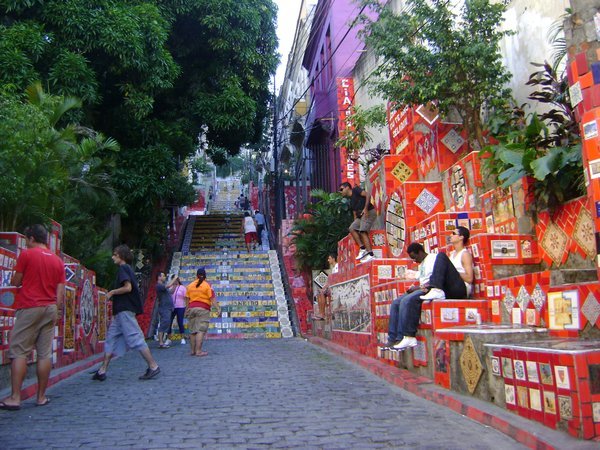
(317, 233)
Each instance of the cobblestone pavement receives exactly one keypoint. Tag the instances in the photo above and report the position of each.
(243, 395)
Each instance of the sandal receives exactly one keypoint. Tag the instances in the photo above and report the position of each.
(8, 407)
(44, 403)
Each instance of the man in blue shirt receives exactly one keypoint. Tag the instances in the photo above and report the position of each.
(260, 225)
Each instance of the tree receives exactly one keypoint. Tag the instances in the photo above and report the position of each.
(33, 155)
(431, 54)
(356, 135)
(150, 74)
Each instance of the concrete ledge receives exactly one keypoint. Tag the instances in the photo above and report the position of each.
(527, 432)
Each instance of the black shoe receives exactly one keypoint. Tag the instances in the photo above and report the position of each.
(99, 376)
(150, 373)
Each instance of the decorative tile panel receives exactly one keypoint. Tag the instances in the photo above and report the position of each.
(426, 201)
(554, 243)
(470, 365)
(453, 141)
(591, 309)
(583, 233)
(402, 172)
(509, 301)
(538, 297)
(523, 298)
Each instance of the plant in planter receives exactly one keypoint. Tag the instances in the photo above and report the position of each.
(316, 234)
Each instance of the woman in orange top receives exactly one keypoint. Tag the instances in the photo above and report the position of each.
(199, 298)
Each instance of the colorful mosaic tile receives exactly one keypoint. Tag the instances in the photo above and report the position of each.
(538, 297)
(565, 407)
(321, 279)
(583, 233)
(523, 298)
(426, 201)
(509, 301)
(453, 140)
(402, 172)
(591, 309)
(554, 243)
(470, 365)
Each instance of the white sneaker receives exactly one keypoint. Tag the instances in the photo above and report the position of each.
(406, 342)
(361, 254)
(434, 293)
(367, 258)
(183, 341)
(168, 342)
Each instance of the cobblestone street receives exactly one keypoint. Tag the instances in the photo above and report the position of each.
(245, 394)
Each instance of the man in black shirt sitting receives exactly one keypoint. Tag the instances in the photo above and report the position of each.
(364, 217)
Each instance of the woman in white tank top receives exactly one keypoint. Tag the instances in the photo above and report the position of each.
(461, 258)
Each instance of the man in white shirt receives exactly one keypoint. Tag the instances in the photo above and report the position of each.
(438, 279)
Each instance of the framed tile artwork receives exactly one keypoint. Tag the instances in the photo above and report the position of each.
(495, 364)
(519, 370)
(507, 368)
(563, 310)
(546, 374)
(562, 377)
(549, 402)
(509, 394)
(535, 401)
(522, 399)
(565, 407)
(532, 373)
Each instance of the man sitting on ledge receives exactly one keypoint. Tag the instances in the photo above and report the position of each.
(438, 279)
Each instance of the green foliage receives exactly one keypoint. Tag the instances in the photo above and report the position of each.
(356, 135)
(431, 54)
(315, 237)
(545, 146)
(150, 74)
(201, 165)
(230, 166)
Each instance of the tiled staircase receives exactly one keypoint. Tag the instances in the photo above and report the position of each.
(248, 286)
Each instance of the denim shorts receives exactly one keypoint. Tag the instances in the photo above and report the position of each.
(124, 333)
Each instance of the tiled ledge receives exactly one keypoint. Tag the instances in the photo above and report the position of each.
(565, 346)
(492, 329)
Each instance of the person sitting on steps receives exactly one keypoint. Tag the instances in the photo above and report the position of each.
(461, 258)
(364, 217)
(438, 279)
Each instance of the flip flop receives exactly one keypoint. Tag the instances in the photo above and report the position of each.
(44, 403)
(202, 354)
(9, 407)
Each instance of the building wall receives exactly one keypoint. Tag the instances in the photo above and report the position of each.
(531, 21)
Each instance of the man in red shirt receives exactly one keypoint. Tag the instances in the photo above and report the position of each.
(40, 275)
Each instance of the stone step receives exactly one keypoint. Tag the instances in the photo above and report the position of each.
(572, 276)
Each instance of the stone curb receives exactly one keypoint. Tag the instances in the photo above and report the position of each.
(424, 388)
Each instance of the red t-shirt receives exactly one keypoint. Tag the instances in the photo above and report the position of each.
(42, 272)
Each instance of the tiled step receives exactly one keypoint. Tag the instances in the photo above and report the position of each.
(248, 286)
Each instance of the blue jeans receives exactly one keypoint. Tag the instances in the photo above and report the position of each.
(402, 313)
(405, 311)
(179, 312)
